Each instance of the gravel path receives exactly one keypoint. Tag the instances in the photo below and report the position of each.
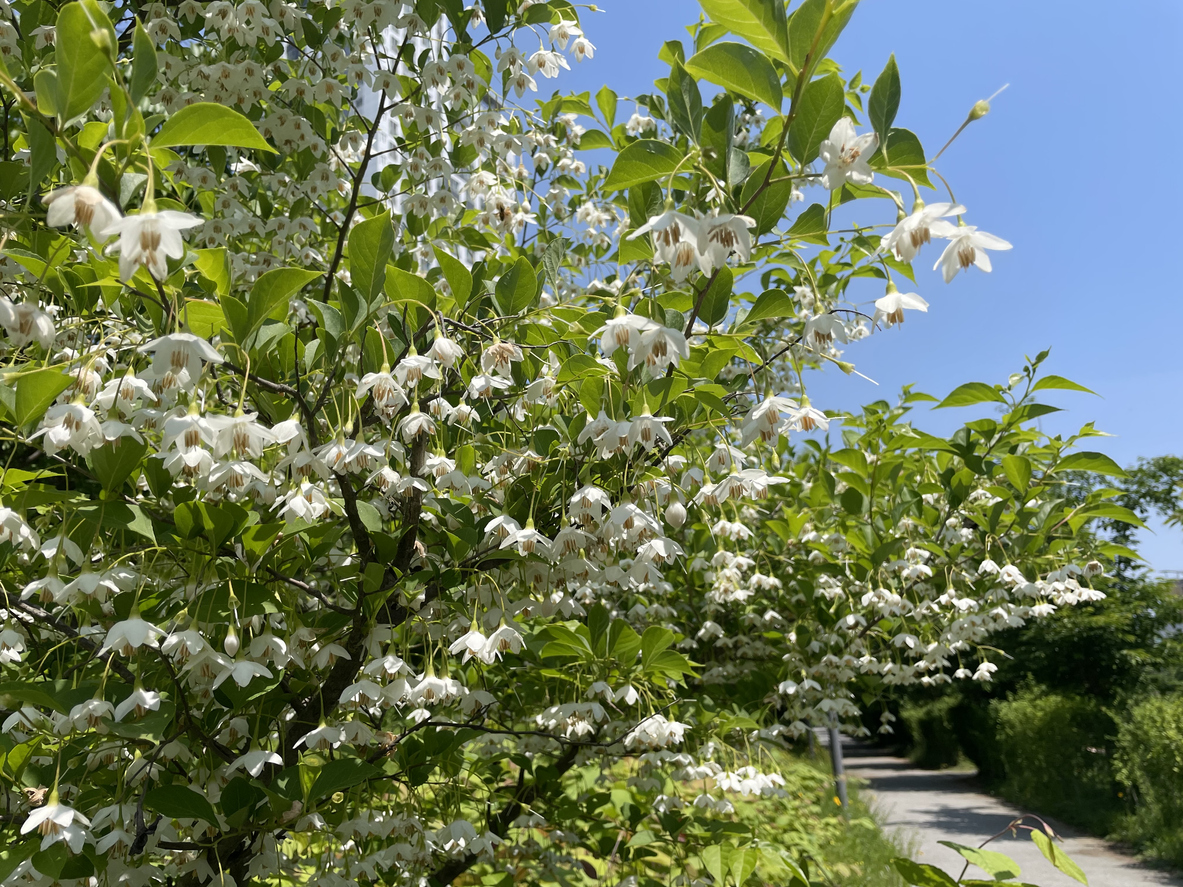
(927, 806)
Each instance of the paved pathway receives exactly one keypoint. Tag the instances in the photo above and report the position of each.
(926, 806)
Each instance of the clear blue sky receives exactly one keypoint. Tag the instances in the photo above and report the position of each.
(1077, 166)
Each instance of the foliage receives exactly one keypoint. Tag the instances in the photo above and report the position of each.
(931, 731)
(1149, 762)
(384, 486)
(1056, 750)
(999, 867)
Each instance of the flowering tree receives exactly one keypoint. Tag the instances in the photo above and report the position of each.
(390, 495)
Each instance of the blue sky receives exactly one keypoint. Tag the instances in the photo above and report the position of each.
(1076, 165)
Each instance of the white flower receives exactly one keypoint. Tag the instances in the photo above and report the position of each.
(140, 701)
(622, 331)
(445, 351)
(505, 639)
(243, 672)
(132, 633)
(72, 425)
(675, 240)
(147, 239)
(254, 761)
(83, 207)
(889, 310)
(967, 246)
(723, 235)
(846, 154)
(472, 643)
(659, 348)
(57, 822)
(25, 322)
(181, 351)
(918, 228)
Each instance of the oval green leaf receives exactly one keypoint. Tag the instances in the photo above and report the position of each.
(207, 123)
(740, 69)
(643, 161)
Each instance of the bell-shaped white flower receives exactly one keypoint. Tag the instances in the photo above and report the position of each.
(132, 633)
(58, 822)
(82, 206)
(918, 228)
(254, 761)
(148, 240)
(967, 247)
(889, 310)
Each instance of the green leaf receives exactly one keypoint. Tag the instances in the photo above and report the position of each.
(143, 65)
(341, 774)
(971, 393)
(655, 640)
(1061, 383)
(517, 288)
(810, 226)
(203, 318)
(214, 264)
(458, 276)
(772, 303)
(717, 860)
(82, 65)
(804, 25)
(606, 99)
(743, 863)
(716, 302)
(766, 204)
(1112, 511)
(272, 293)
(370, 246)
(15, 852)
(180, 802)
(1017, 470)
(740, 69)
(902, 157)
(42, 695)
(685, 104)
(495, 14)
(643, 161)
(35, 391)
(208, 123)
(885, 99)
(999, 866)
(820, 107)
(921, 874)
(1086, 461)
(1058, 857)
(761, 22)
(42, 151)
(114, 464)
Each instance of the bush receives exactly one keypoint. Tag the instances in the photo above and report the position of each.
(1056, 751)
(1149, 762)
(931, 728)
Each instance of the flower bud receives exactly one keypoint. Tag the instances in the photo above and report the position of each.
(101, 38)
(675, 514)
(980, 109)
(230, 645)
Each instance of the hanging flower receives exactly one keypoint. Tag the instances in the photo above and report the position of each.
(82, 206)
(967, 247)
(148, 239)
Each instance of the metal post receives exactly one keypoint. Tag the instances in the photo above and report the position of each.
(839, 768)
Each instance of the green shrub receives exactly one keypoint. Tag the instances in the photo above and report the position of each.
(1056, 750)
(1150, 764)
(930, 727)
